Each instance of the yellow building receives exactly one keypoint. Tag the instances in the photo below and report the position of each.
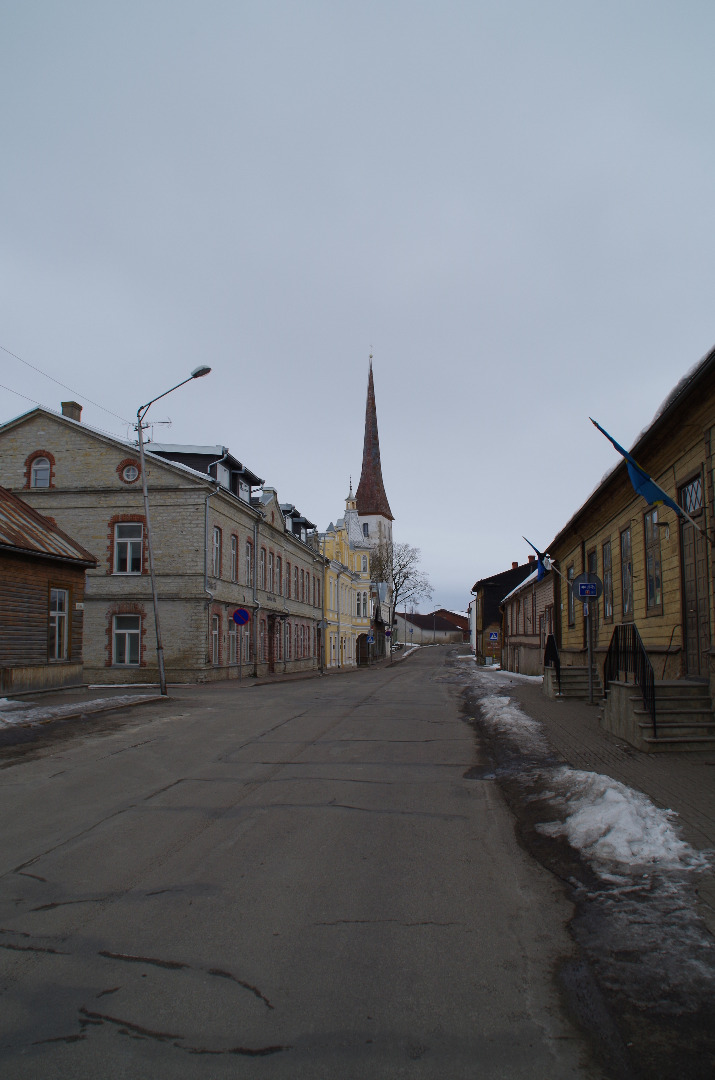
(348, 600)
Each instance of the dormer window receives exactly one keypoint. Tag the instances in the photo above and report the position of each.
(365, 529)
(40, 473)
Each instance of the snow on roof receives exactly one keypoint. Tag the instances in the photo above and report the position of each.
(522, 585)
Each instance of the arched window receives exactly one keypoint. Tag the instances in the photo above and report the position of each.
(40, 477)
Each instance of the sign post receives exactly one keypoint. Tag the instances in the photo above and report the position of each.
(588, 588)
(241, 616)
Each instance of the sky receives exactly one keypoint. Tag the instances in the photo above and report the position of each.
(509, 204)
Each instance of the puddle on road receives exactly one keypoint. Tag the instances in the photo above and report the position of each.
(644, 988)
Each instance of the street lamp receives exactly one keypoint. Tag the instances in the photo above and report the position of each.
(197, 373)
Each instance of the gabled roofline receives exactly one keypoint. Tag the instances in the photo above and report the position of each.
(203, 478)
(664, 414)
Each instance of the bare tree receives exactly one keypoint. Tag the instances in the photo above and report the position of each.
(399, 566)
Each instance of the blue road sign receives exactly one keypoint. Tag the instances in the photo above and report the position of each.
(371, 641)
(241, 616)
(493, 635)
(587, 589)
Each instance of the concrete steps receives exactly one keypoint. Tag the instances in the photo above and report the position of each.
(683, 712)
(574, 682)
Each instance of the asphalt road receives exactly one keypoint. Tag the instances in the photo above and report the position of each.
(287, 881)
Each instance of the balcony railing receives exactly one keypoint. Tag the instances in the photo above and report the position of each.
(627, 656)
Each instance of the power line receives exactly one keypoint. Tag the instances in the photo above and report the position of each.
(63, 385)
(47, 407)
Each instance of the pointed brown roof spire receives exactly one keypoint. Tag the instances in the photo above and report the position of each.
(370, 494)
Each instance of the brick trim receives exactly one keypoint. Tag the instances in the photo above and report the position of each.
(121, 519)
(126, 607)
(122, 466)
(28, 468)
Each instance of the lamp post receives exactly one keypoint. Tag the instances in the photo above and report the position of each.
(197, 373)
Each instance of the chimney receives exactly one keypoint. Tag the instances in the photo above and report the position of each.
(515, 566)
(531, 558)
(72, 410)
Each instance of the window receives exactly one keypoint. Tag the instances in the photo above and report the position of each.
(271, 574)
(130, 473)
(317, 592)
(365, 529)
(288, 642)
(232, 642)
(288, 580)
(262, 572)
(216, 554)
(249, 563)
(215, 639)
(279, 576)
(607, 583)
(40, 477)
(127, 629)
(626, 575)
(654, 597)
(302, 586)
(59, 624)
(364, 564)
(262, 641)
(364, 606)
(691, 496)
(296, 594)
(234, 559)
(128, 548)
(570, 575)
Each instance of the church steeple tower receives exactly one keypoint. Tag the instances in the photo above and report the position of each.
(370, 495)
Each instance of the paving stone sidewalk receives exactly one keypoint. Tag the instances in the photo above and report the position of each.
(679, 781)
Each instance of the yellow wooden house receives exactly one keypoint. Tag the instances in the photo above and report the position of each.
(651, 628)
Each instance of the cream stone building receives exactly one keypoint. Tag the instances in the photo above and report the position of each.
(221, 541)
(350, 597)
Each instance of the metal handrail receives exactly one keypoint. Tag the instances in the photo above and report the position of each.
(627, 654)
(551, 657)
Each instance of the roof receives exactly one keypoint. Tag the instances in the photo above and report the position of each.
(522, 585)
(508, 578)
(107, 436)
(370, 495)
(429, 622)
(24, 531)
(674, 400)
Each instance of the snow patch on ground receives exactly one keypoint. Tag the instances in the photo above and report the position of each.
(23, 712)
(615, 827)
(502, 714)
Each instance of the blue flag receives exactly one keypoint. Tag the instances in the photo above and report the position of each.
(540, 556)
(643, 484)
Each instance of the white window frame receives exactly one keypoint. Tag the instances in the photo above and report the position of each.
(215, 640)
(58, 648)
(232, 642)
(128, 635)
(129, 546)
(216, 552)
(234, 558)
(41, 466)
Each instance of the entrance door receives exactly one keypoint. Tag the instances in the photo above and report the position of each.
(693, 548)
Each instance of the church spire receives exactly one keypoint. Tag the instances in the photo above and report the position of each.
(370, 495)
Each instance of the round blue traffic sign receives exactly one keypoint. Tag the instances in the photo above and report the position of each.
(241, 616)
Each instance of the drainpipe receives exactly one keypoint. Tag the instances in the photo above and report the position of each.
(323, 620)
(256, 605)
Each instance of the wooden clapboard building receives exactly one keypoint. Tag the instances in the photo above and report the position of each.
(653, 623)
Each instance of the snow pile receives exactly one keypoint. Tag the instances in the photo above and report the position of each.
(616, 827)
(22, 712)
(501, 714)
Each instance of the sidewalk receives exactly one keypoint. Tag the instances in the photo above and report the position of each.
(30, 710)
(682, 781)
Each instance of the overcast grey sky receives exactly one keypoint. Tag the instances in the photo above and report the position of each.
(510, 201)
